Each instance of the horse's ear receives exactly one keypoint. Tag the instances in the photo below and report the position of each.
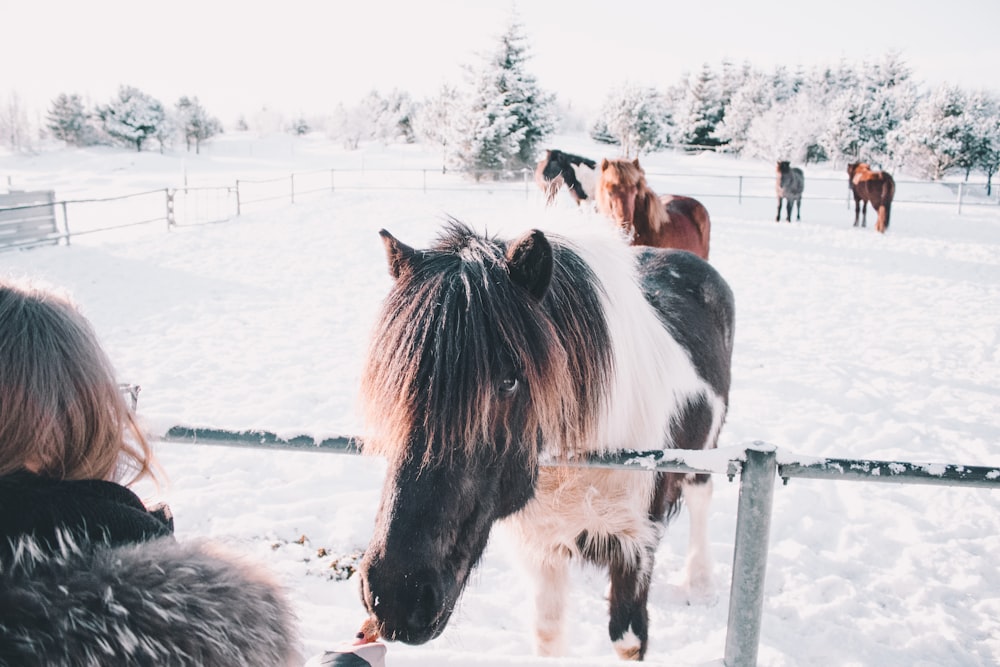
(529, 261)
(604, 163)
(398, 254)
(636, 163)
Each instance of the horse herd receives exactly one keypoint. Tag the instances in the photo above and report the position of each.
(491, 356)
(670, 225)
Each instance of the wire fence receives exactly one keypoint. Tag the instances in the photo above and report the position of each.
(195, 205)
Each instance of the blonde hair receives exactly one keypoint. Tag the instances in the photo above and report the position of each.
(62, 414)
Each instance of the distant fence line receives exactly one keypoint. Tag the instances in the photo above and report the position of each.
(193, 205)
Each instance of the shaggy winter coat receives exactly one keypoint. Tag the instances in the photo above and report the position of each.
(152, 603)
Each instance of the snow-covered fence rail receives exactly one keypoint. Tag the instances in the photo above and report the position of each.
(740, 187)
(758, 465)
(192, 205)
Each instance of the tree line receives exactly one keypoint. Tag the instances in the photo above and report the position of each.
(496, 119)
(873, 111)
(131, 118)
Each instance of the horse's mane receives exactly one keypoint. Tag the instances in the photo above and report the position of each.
(648, 206)
(455, 325)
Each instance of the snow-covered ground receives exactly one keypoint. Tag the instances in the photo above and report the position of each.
(848, 344)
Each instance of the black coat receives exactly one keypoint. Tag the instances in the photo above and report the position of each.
(73, 597)
(86, 510)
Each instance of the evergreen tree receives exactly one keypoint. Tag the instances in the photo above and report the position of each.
(506, 115)
(938, 137)
(748, 102)
(195, 123)
(433, 118)
(68, 121)
(987, 157)
(132, 117)
(634, 118)
(701, 112)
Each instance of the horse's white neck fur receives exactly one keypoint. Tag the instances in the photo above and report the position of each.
(587, 178)
(653, 376)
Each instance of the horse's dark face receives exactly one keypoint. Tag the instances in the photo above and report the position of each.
(454, 382)
(554, 165)
(783, 167)
(432, 527)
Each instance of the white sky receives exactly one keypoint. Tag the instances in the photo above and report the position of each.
(304, 56)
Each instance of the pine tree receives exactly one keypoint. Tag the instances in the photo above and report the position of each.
(701, 112)
(132, 117)
(68, 121)
(748, 102)
(506, 115)
(635, 118)
(433, 118)
(940, 135)
(195, 123)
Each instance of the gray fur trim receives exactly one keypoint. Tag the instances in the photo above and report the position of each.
(155, 603)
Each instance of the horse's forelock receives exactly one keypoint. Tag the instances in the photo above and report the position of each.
(447, 334)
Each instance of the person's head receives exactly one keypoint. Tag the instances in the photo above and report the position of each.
(62, 414)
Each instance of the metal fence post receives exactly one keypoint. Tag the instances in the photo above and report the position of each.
(293, 188)
(171, 221)
(740, 201)
(66, 222)
(753, 528)
(237, 197)
(333, 185)
(960, 188)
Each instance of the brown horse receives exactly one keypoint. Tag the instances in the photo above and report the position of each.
(671, 221)
(876, 187)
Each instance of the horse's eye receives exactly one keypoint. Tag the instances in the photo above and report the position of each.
(508, 386)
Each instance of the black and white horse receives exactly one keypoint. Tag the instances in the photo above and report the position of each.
(578, 174)
(493, 355)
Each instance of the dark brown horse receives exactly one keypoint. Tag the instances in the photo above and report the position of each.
(671, 221)
(876, 187)
(789, 186)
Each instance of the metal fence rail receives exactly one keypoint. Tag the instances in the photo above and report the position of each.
(194, 205)
(757, 465)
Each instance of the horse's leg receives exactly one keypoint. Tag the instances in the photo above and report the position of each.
(551, 586)
(628, 625)
(798, 210)
(864, 213)
(788, 206)
(857, 210)
(778, 218)
(699, 582)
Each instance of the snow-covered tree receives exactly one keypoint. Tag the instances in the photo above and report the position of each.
(195, 123)
(698, 116)
(938, 136)
(15, 129)
(132, 117)
(987, 157)
(789, 130)
(864, 115)
(349, 125)
(748, 102)
(505, 115)
(69, 121)
(636, 118)
(433, 118)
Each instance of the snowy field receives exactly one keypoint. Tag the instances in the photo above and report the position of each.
(848, 344)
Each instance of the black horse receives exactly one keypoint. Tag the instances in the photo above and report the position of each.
(556, 168)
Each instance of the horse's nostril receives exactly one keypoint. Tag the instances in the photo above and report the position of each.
(426, 607)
